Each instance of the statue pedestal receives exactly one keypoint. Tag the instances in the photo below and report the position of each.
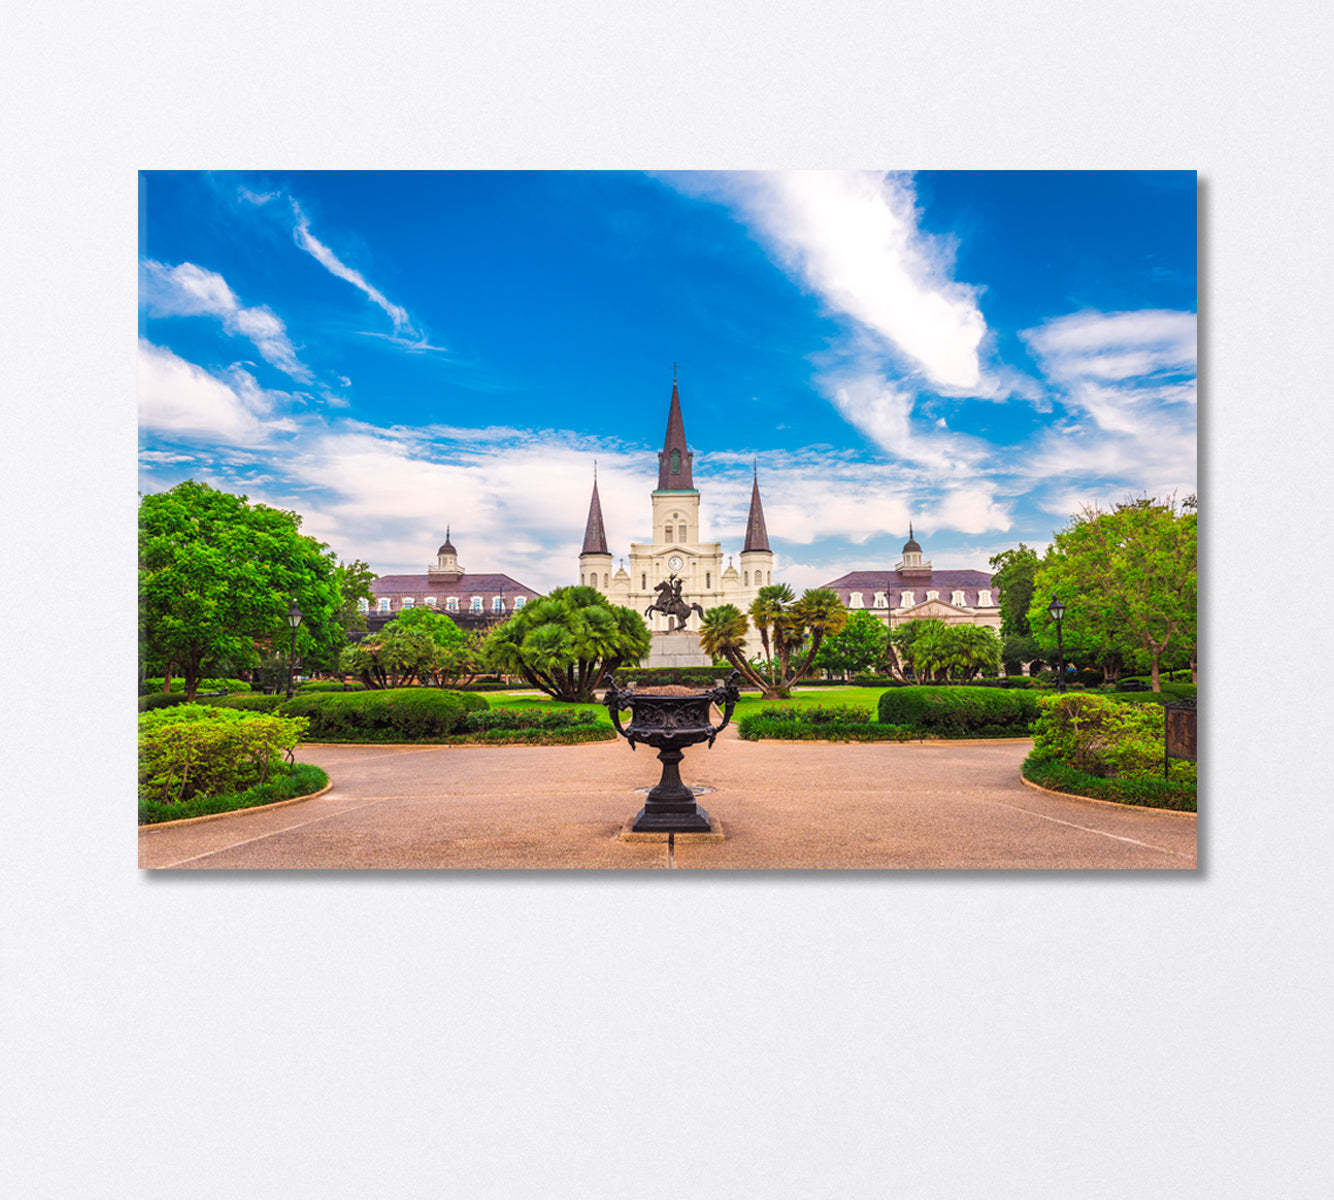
(677, 650)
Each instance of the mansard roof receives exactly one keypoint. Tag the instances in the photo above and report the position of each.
(757, 536)
(681, 481)
(895, 583)
(595, 533)
(450, 585)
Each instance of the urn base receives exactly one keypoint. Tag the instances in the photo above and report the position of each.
(652, 819)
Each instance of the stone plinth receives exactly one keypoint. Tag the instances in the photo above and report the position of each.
(677, 650)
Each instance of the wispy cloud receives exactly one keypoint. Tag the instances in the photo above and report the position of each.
(181, 400)
(1127, 383)
(335, 266)
(854, 239)
(187, 290)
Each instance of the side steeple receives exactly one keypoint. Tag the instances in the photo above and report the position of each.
(595, 533)
(674, 459)
(757, 536)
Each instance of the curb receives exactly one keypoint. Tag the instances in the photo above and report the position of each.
(236, 812)
(1037, 787)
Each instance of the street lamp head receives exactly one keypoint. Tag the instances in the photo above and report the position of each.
(294, 615)
(1056, 610)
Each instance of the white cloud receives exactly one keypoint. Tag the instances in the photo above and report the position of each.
(1128, 380)
(180, 399)
(853, 238)
(335, 266)
(187, 290)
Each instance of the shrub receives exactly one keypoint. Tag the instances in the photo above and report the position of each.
(1151, 790)
(817, 714)
(1105, 738)
(529, 718)
(254, 702)
(754, 726)
(160, 700)
(195, 750)
(383, 715)
(329, 685)
(702, 677)
(302, 780)
(960, 711)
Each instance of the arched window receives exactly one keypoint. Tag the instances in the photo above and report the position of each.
(476, 605)
(498, 604)
(643, 583)
(451, 604)
(708, 580)
(606, 580)
(382, 604)
(408, 602)
(676, 462)
(745, 579)
(666, 533)
(518, 602)
(681, 533)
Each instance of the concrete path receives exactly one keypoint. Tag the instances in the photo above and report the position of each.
(781, 805)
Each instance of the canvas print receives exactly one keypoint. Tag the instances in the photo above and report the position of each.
(663, 520)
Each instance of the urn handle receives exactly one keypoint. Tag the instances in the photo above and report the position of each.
(615, 699)
(729, 694)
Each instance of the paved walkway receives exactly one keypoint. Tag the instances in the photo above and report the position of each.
(780, 804)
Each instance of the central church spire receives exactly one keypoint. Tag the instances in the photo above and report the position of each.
(674, 458)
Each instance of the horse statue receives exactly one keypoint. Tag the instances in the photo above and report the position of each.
(670, 604)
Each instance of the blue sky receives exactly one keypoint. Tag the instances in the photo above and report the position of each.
(393, 353)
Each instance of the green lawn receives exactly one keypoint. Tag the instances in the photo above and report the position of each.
(750, 701)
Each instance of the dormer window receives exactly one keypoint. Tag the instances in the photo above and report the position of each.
(498, 604)
(855, 600)
(363, 605)
(518, 602)
(430, 601)
(880, 601)
(984, 598)
(408, 602)
(476, 605)
(451, 604)
(382, 604)
(933, 595)
(907, 601)
(957, 598)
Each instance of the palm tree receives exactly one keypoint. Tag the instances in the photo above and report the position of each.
(722, 634)
(818, 613)
(766, 612)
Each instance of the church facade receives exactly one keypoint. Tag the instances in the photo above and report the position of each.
(676, 557)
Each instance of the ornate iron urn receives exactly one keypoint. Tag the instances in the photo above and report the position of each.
(670, 724)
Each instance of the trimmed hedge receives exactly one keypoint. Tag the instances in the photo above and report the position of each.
(149, 686)
(254, 702)
(755, 727)
(960, 711)
(160, 700)
(1149, 790)
(529, 718)
(302, 780)
(329, 685)
(383, 715)
(701, 677)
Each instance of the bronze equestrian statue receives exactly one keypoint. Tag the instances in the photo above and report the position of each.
(670, 604)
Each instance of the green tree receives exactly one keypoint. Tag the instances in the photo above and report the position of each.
(567, 641)
(216, 576)
(418, 646)
(1013, 575)
(1128, 580)
(859, 646)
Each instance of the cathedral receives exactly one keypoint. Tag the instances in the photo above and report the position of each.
(676, 562)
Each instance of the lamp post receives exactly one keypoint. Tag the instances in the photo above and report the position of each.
(293, 619)
(1056, 610)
